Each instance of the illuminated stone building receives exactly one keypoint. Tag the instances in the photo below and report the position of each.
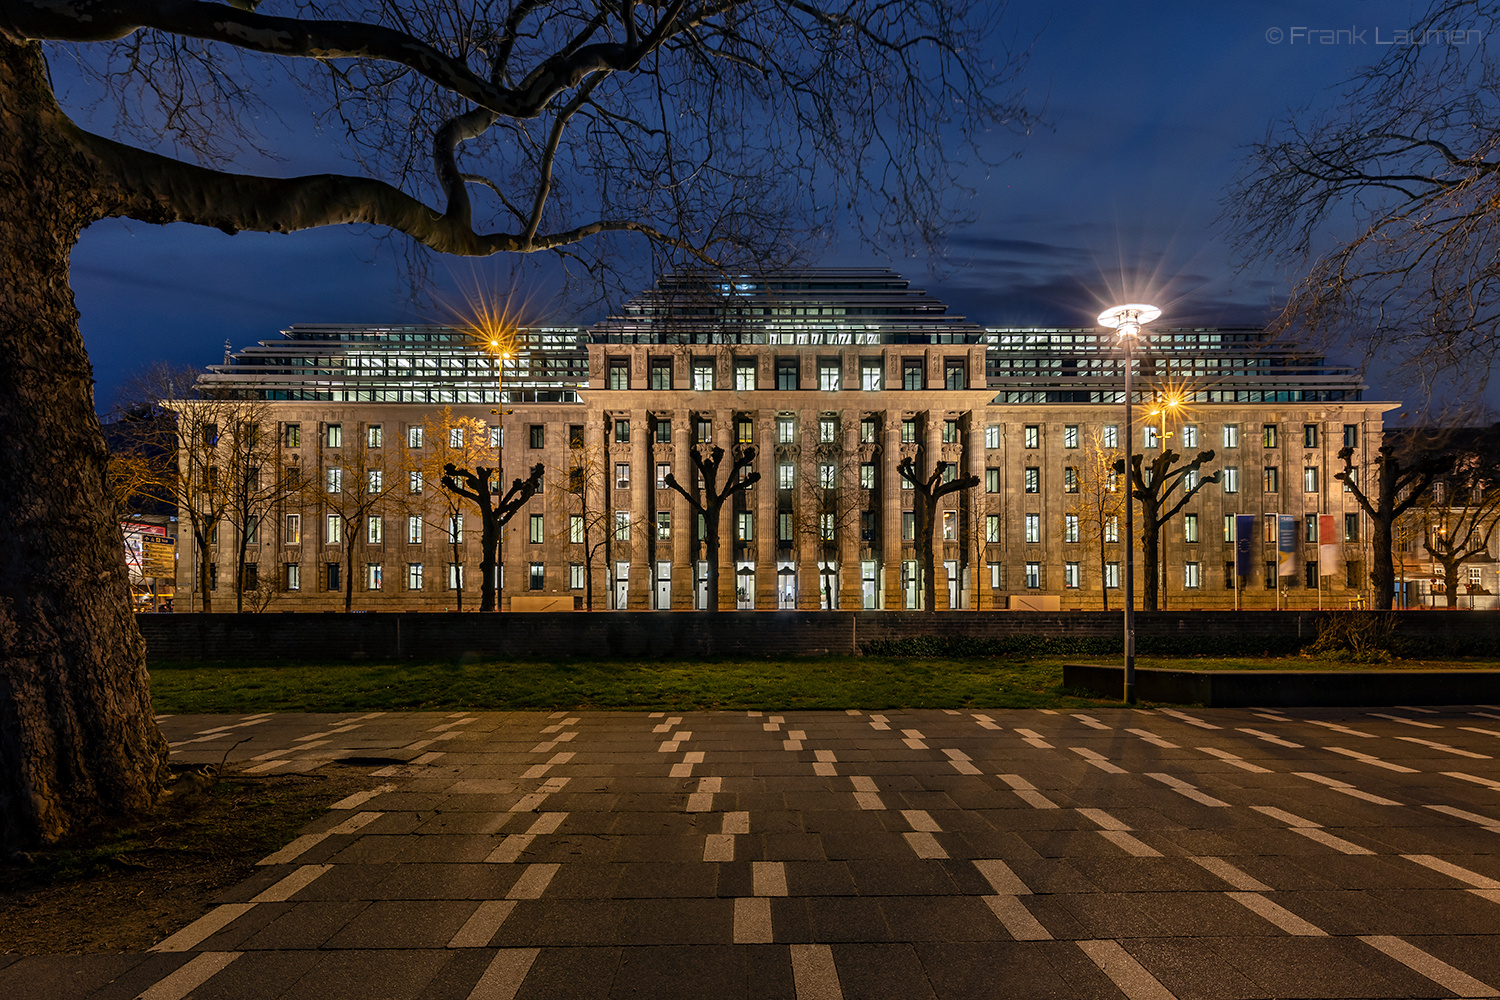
(832, 376)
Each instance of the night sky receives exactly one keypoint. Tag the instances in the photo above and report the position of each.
(1149, 106)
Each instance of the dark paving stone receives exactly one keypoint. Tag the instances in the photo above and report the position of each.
(1321, 967)
(303, 925)
(585, 881)
(465, 881)
(845, 918)
(685, 973)
(1191, 971)
(900, 878)
(880, 971)
(675, 921)
(406, 923)
(556, 922)
(132, 981)
(257, 974)
(668, 848)
(570, 972)
(653, 881)
(991, 970)
(941, 918)
(357, 975)
(874, 844)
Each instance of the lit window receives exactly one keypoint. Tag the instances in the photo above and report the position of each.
(414, 482)
(456, 528)
(575, 529)
(950, 432)
(414, 437)
(414, 529)
(622, 475)
(374, 529)
(575, 576)
(413, 576)
(455, 576)
(374, 436)
(786, 430)
(1231, 480)
(1070, 527)
(703, 376)
(1189, 436)
(1268, 435)
(744, 526)
(622, 431)
(869, 376)
(1190, 527)
(1149, 437)
(455, 437)
(335, 435)
(1310, 479)
(1070, 435)
(1190, 579)
(334, 529)
(828, 376)
(908, 432)
(622, 526)
(950, 525)
(828, 428)
(536, 534)
(1031, 436)
(826, 477)
(1033, 575)
(1033, 528)
(744, 377)
(1272, 479)
(664, 524)
(1070, 575)
(1112, 529)
(375, 481)
(373, 576)
(1112, 575)
(1111, 436)
(335, 480)
(292, 533)
(785, 476)
(992, 436)
(538, 577)
(293, 576)
(1033, 479)
(1070, 479)
(867, 476)
(992, 527)
(992, 480)
(1231, 435)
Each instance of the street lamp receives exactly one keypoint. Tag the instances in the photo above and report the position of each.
(1127, 320)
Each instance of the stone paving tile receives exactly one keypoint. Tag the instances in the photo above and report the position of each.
(927, 918)
(264, 975)
(1320, 967)
(881, 971)
(570, 972)
(350, 975)
(127, 982)
(403, 923)
(1192, 971)
(974, 970)
(656, 881)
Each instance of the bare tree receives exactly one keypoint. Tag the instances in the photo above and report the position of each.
(1100, 502)
(359, 486)
(445, 440)
(495, 512)
(1153, 487)
(1401, 473)
(929, 492)
(1398, 173)
(831, 502)
(579, 500)
(256, 488)
(570, 122)
(1462, 509)
(708, 501)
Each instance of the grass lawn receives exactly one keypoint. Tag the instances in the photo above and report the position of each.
(826, 682)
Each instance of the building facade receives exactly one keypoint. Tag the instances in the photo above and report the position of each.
(833, 378)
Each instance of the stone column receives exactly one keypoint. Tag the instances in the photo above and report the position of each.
(765, 509)
(893, 497)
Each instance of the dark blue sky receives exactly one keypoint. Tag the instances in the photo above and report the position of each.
(1149, 105)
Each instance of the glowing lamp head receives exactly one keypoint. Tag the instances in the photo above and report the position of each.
(1128, 319)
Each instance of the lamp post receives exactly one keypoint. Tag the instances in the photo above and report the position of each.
(1128, 320)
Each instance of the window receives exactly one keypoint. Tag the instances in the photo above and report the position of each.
(1310, 533)
(955, 374)
(992, 527)
(787, 374)
(828, 429)
(335, 480)
(1190, 578)
(374, 436)
(786, 430)
(744, 431)
(784, 527)
(744, 376)
(536, 435)
(950, 471)
(992, 436)
(785, 476)
(912, 376)
(828, 376)
(374, 481)
(992, 480)
(1190, 480)
(1070, 479)
(1112, 575)
(869, 374)
(413, 576)
(332, 574)
(374, 576)
(1270, 580)
(663, 470)
(622, 431)
(622, 475)
(908, 526)
(536, 535)
(825, 527)
(575, 529)
(413, 529)
(456, 529)
(575, 576)
(744, 526)
(867, 476)
(1268, 435)
(1111, 436)
(1189, 435)
(827, 478)
(1033, 575)
(663, 432)
(995, 575)
(537, 579)
(867, 525)
(1231, 435)
(950, 525)
(622, 526)
(1190, 527)
(908, 431)
(455, 576)
(1070, 527)
(414, 483)
(1271, 533)
(1310, 574)
(619, 373)
(252, 534)
(1149, 437)
(414, 437)
(1351, 527)
(1033, 480)
(1033, 528)
(1031, 436)
(1231, 479)
(375, 529)
(1070, 435)
(291, 533)
(1310, 479)
(664, 524)
(1309, 435)
(1070, 575)
(1272, 479)
(335, 435)
(950, 432)
(703, 431)
(1228, 527)
(292, 438)
(1351, 435)
(293, 576)
(333, 529)
(661, 373)
(1229, 581)
(867, 431)
(1112, 529)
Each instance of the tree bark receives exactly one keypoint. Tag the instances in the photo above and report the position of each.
(1382, 562)
(78, 743)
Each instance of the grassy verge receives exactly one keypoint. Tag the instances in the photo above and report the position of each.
(821, 683)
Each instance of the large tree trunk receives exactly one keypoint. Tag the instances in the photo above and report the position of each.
(78, 742)
(1382, 565)
(711, 553)
(1150, 549)
(924, 509)
(489, 544)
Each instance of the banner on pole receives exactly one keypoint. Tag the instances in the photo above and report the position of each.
(1286, 545)
(1244, 554)
(1328, 545)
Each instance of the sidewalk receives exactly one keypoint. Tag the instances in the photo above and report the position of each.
(1128, 853)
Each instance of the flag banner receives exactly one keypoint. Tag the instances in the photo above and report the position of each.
(1286, 545)
(1244, 554)
(1328, 545)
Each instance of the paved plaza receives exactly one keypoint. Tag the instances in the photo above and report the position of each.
(1206, 853)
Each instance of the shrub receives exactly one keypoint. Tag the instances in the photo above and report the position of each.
(1355, 637)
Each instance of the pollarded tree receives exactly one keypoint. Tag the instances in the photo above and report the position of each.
(718, 130)
(1401, 474)
(708, 501)
(929, 492)
(495, 512)
(1153, 486)
(1462, 510)
(445, 439)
